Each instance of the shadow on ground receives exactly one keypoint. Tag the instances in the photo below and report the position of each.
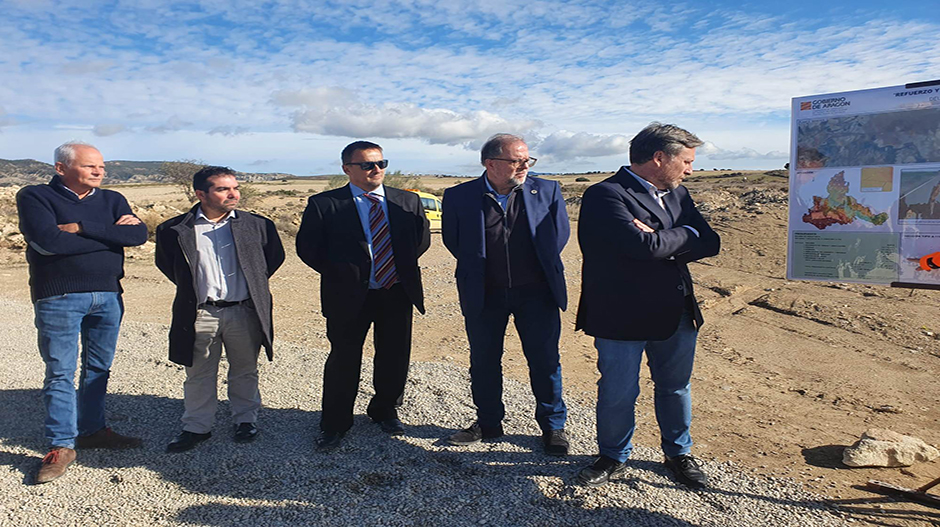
(371, 479)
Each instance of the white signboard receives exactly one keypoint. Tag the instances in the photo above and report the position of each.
(865, 187)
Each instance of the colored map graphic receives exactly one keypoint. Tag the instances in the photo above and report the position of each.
(892, 138)
(839, 207)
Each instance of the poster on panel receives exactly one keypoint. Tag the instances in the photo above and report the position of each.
(865, 187)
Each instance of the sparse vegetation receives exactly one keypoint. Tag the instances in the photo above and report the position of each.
(180, 173)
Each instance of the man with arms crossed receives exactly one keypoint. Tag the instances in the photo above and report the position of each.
(220, 260)
(638, 230)
(507, 232)
(77, 233)
(365, 239)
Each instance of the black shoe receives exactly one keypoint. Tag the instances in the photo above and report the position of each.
(391, 426)
(601, 471)
(187, 441)
(687, 470)
(556, 442)
(475, 434)
(329, 440)
(245, 432)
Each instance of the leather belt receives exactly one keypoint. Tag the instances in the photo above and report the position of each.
(224, 303)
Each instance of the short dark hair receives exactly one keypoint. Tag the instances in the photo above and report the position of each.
(656, 137)
(493, 147)
(201, 178)
(356, 146)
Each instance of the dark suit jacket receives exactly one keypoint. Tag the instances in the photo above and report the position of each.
(462, 230)
(259, 251)
(630, 289)
(332, 242)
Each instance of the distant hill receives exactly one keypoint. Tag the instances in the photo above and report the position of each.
(30, 171)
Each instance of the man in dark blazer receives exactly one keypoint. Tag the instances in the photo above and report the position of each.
(220, 260)
(507, 232)
(638, 230)
(365, 239)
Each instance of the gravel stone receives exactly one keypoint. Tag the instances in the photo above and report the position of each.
(280, 479)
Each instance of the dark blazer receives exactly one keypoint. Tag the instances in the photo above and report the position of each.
(462, 230)
(259, 251)
(332, 242)
(630, 288)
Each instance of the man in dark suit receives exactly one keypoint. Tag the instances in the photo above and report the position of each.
(638, 230)
(365, 239)
(507, 231)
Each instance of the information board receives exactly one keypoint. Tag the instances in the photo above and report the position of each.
(865, 186)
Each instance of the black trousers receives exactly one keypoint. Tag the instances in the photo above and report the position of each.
(390, 314)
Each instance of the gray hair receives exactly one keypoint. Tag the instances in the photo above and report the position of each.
(493, 147)
(65, 154)
(668, 138)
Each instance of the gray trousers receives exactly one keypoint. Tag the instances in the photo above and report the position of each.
(237, 329)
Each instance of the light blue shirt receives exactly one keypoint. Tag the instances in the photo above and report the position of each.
(218, 274)
(502, 199)
(363, 205)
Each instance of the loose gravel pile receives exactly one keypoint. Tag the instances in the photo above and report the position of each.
(280, 479)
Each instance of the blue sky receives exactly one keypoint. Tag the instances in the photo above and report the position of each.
(283, 85)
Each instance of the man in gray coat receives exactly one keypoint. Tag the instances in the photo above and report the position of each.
(220, 260)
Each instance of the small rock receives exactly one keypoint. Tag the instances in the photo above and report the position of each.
(880, 447)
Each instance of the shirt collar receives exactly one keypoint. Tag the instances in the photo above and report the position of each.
(491, 189)
(356, 191)
(90, 194)
(651, 188)
(201, 216)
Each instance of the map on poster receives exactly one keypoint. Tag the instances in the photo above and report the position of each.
(865, 187)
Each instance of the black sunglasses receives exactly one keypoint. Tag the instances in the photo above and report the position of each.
(367, 165)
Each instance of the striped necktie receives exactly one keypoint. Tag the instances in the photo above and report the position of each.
(383, 261)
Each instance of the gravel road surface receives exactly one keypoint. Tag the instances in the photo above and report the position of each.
(372, 479)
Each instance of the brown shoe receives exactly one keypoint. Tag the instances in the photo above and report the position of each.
(107, 438)
(55, 464)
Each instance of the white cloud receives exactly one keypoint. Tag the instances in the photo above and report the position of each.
(229, 130)
(563, 145)
(337, 112)
(85, 67)
(5, 120)
(104, 130)
(713, 152)
(173, 124)
(318, 97)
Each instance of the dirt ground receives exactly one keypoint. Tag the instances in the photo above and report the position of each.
(787, 373)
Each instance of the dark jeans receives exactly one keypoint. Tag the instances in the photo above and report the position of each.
(538, 322)
(390, 314)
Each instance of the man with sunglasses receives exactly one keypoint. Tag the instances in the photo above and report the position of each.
(365, 239)
(507, 231)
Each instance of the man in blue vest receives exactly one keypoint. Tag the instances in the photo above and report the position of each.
(507, 231)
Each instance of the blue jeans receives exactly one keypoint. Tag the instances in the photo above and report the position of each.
(670, 363)
(538, 322)
(60, 321)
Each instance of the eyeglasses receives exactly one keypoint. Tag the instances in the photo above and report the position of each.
(518, 163)
(368, 165)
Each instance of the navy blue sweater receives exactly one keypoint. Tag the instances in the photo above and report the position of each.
(61, 262)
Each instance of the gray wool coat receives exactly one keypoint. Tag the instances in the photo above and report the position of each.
(259, 251)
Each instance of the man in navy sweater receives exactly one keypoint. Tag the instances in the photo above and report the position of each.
(76, 234)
